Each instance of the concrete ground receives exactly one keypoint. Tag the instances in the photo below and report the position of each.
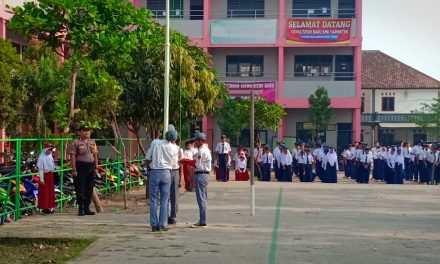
(294, 223)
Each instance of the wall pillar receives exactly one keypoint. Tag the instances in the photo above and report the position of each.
(137, 3)
(282, 129)
(206, 20)
(356, 124)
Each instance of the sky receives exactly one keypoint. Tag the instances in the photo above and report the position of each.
(407, 30)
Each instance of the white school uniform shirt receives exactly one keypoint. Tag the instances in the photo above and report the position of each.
(300, 158)
(437, 157)
(352, 153)
(400, 159)
(366, 157)
(346, 153)
(276, 153)
(406, 152)
(286, 158)
(376, 153)
(204, 158)
(430, 157)
(220, 149)
(358, 154)
(240, 164)
(163, 154)
(391, 159)
(267, 158)
(423, 154)
(45, 164)
(331, 158)
(188, 154)
(308, 159)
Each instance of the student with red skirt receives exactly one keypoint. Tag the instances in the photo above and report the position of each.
(46, 191)
(188, 164)
(241, 172)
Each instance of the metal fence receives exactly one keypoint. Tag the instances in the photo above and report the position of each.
(19, 153)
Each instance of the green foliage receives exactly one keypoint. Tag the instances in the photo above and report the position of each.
(234, 116)
(97, 96)
(320, 110)
(92, 29)
(10, 64)
(41, 79)
(193, 87)
(428, 118)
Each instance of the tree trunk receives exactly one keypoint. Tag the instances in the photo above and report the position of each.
(38, 129)
(123, 156)
(73, 76)
(135, 130)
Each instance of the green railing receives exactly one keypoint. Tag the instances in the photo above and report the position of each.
(19, 151)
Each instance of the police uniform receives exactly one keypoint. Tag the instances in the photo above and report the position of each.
(84, 152)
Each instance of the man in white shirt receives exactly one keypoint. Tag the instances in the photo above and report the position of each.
(222, 150)
(162, 156)
(366, 159)
(203, 167)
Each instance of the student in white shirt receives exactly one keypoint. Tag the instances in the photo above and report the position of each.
(267, 163)
(222, 150)
(203, 167)
(240, 163)
(366, 159)
(188, 162)
(285, 157)
(161, 156)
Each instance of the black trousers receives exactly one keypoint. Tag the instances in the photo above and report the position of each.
(84, 182)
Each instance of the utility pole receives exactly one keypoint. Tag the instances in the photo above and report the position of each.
(252, 128)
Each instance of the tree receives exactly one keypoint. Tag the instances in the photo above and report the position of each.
(41, 78)
(10, 64)
(428, 118)
(83, 30)
(234, 116)
(320, 112)
(193, 86)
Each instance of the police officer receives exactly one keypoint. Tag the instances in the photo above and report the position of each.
(84, 157)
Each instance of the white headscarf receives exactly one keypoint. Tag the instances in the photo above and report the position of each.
(45, 163)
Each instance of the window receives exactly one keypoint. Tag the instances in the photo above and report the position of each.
(347, 8)
(344, 68)
(158, 7)
(19, 48)
(245, 8)
(244, 66)
(311, 8)
(363, 104)
(387, 103)
(313, 65)
(196, 10)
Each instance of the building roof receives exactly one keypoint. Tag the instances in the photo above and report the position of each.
(382, 71)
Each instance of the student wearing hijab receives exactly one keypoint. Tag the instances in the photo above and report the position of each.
(285, 164)
(46, 191)
(241, 172)
(267, 163)
(399, 167)
(330, 166)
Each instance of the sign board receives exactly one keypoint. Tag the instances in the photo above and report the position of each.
(319, 30)
(265, 89)
(240, 31)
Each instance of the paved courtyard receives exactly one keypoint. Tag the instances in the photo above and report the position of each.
(294, 223)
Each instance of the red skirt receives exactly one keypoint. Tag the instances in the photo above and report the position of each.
(241, 175)
(46, 192)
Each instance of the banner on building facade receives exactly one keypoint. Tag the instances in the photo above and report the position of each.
(319, 30)
(238, 31)
(265, 90)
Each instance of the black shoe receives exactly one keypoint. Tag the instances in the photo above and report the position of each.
(89, 213)
(155, 229)
(80, 212)
(198, 225)
(172, 221)
(163, 228)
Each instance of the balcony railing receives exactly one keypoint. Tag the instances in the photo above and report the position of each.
(179, 14)
(322, 13)
(250, 13)
(319, 76)
(388, 118)
(247, 76)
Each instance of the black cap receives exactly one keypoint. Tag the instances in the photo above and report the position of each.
(85, 127)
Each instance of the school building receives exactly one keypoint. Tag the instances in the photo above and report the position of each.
(391, 90)
(284, 49)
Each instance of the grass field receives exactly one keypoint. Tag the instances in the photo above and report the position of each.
(41, 250)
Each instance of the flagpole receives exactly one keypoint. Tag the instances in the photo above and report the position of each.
(166, 93)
